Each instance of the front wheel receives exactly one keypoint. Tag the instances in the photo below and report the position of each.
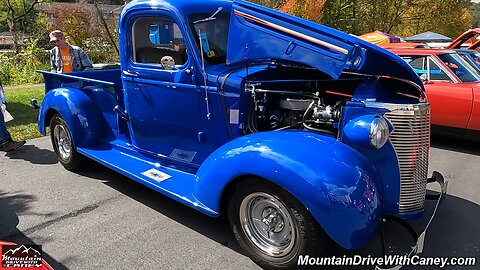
(272, 226)
(63, 144)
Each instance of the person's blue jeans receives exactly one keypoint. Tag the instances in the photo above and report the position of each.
(4, 135)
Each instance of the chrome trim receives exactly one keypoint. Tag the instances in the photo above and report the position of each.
(291, 32)
(411, 141)
(267, 223)
(394, 106)
(439, 62)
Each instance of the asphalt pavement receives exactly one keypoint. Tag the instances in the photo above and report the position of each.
(98, 219)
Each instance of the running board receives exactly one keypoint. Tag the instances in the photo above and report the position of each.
(176, 184)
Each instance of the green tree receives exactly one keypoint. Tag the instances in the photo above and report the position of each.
(447, 17)
(475, 13)
(17, 15)
(398, 17)
(276, 4)
(83, 26)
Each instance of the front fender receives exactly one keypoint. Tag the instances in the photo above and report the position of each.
(338, 185)
(81, 114)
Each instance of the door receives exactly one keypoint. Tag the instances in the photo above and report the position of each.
(160, 93)
(474, 123)
(451, 101)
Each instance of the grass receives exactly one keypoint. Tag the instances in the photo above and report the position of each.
(24, 124)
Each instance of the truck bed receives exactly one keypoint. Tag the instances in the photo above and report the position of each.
(109, 77)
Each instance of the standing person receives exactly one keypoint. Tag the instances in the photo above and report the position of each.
(65, 57)
(6, 142)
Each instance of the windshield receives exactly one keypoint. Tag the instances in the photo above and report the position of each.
(473, 58)
(464, 71)
(214, 35)
(476, 57)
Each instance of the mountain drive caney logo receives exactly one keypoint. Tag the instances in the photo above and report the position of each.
(21, 256)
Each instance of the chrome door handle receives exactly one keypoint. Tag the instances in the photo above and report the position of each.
(128, 73)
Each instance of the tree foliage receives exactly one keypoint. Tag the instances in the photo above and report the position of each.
(17, 15)
(308, 9)
(83, 27)
(475, 12)
(398, 17)
(76, 21)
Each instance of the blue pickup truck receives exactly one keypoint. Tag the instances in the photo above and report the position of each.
(299, 133)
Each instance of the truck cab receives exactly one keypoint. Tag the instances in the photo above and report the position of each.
(299, 133)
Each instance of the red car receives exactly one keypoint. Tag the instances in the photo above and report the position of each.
(463, 38)
(453, 90)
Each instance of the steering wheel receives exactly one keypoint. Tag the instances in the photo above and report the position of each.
(167, 62)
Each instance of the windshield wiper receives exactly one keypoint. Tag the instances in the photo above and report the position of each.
(211, 18)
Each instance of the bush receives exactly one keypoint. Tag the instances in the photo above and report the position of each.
(21, 68)
(100, 51)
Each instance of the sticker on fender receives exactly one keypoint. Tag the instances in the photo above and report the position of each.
(156, 175)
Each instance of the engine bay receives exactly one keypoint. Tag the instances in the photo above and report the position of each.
(314, 102)
(277, 110)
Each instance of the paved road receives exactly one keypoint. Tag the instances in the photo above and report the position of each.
(98, 219)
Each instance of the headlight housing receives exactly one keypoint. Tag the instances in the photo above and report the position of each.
(379, 131)
(369, 131)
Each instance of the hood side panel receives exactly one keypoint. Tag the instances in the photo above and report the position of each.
(258, 33)
(263, 34)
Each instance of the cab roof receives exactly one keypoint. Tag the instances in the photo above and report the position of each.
(184, 7)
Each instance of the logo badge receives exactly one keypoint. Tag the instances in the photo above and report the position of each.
(21, 256)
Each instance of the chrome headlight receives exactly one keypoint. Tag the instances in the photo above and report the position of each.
(379, 131)
(368, 131)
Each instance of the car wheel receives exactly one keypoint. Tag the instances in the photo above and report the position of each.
(272, 226)
(63, 144)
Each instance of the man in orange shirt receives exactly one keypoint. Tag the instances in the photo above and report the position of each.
(65, 57)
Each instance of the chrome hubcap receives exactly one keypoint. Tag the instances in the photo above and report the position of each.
(63, 140)
(267, 223)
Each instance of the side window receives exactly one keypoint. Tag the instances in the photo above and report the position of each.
(436, 73)
(426, 68)
(158, 41)
(419, 65)
(476, 58)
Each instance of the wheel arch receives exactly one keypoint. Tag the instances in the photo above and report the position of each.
(306, 178)
(48, 118)
(83, 118)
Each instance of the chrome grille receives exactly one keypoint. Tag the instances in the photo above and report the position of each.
(411, 140)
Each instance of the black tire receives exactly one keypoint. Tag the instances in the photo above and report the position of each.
(306, 236)
(62, 142)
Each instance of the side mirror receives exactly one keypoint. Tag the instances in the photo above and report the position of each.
(424, 79)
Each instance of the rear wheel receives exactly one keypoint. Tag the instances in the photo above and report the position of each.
(63, 144)
(272, 226)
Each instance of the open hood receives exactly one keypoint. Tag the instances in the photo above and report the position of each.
(474, 46)
(258, 33)
(457, 43)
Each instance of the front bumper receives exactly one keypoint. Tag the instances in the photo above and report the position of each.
(420, 240)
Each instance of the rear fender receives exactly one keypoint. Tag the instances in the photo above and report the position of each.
(84, 119)
(337, 184)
